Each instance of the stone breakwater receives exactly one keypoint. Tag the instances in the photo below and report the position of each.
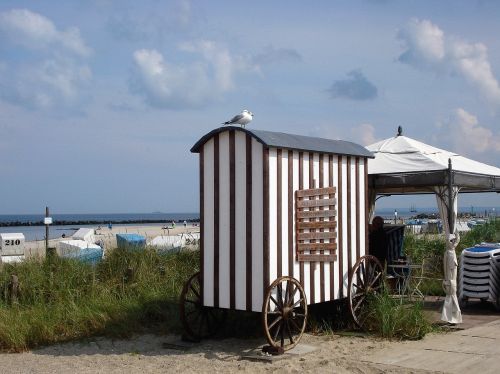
(94, 222)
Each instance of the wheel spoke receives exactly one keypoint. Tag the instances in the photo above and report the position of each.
(280, 295)
(369, 274)
(277, 332)
(358, 304)
(359, 277)
(286, 292)
(295, 324)
(279, 318)
(275, 302)
(293, 295)
(298, 302)
(194, 291)
(289, 332)
(363, 271)
(356, 285)
(282, 334)
(375, 279)
(355, 296)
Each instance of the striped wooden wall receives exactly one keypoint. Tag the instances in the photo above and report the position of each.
(248, 224)
(292, 170)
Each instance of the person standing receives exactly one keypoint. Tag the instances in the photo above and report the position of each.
(377, 240)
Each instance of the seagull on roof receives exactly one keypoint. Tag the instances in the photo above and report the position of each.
(241, 119)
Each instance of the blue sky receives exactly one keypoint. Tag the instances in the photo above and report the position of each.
(101, 100)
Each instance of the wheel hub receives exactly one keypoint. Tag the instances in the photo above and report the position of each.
(287, 312)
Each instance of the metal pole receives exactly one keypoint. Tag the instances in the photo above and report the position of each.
(46, 231)
(451, 218)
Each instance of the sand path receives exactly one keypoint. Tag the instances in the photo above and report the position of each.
(145, 354)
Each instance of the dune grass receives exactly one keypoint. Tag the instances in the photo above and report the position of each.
(432, 247)
(391, 319)
(62, 299)
(131, 291)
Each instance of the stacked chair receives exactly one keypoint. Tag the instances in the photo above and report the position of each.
(480, 273)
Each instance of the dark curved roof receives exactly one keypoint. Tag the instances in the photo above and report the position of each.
(292, 141)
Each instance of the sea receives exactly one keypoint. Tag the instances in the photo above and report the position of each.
(82, 220)
(406, 213)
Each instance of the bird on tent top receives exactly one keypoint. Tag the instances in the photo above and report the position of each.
(242, 119)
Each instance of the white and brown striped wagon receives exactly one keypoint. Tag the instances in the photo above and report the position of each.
(283, 224)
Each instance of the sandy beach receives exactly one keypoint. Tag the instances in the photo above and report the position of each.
(145, 354)
(471, 347)
(108, 236)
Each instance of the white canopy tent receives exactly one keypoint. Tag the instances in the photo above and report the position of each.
(406, 166)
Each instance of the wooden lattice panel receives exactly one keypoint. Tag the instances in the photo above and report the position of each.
(316, 223)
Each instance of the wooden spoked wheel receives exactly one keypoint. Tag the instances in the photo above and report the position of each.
(199, 321)
(284, 313)
(366, 279)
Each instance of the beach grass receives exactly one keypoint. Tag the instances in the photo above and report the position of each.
(431, 248)
(133, 291)
(389, 318)
(63, 299)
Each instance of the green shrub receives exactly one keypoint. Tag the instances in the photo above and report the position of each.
(489, 232)
(419, 247)
(391, 319)
(432, 247)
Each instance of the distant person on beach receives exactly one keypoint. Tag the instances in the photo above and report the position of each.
(110, 225)
(185, 223)
(377, 240)
(173, 224)
(100, 243)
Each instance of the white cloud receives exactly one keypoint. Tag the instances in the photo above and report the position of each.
(427, 47)
(364, 134)
(188, 85)
(219, 58)
(472, 61)
(424, 43)
(34, 31)
(54, 74)
(54, 84)
(466, 136)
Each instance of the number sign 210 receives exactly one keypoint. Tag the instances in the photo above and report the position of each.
(12, 242)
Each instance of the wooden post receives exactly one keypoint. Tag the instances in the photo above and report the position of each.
(13, 289)
(46, 232)
(129, 274)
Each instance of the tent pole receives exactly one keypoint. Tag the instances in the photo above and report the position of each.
(450, 197)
